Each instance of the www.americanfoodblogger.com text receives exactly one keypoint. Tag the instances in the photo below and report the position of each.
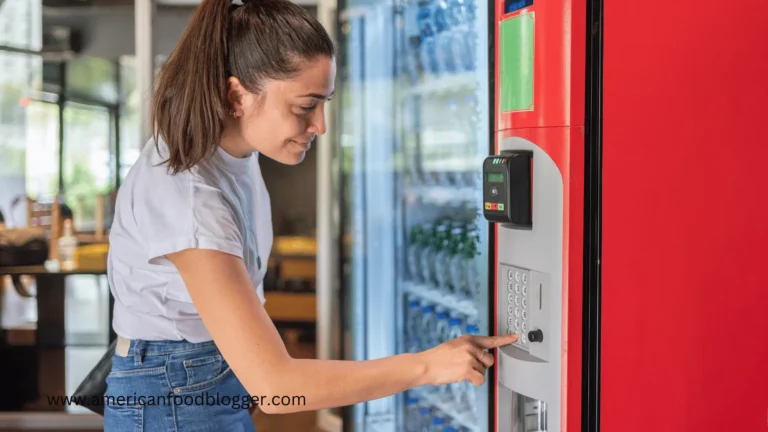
(204, 399)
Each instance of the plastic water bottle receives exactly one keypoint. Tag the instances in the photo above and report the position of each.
(412, 317)
(443, 258)
(427, 254)
(412, 325)
(472, 278)
(427, 34)
(454, 331)
(427, 327)
(449, 429)
(456, 267)
(412, 416)
(437, 424)
(442, 328)
(425, 414)
(415, 241)
(467, 397)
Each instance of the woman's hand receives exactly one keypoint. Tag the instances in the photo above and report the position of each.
(463, 358)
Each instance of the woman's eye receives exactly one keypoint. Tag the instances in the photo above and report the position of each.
(307, 108)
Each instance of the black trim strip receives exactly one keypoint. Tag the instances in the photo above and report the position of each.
(492, 373)
(590, 400)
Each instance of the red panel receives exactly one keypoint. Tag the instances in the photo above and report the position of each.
(566, 147)
(559, 59)
(685, 219)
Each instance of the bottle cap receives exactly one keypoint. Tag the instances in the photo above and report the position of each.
(437, 421)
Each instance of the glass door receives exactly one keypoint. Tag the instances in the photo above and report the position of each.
(413, 130)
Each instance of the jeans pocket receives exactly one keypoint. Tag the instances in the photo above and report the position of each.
(202, 369)
(123, 418)
(197, 371)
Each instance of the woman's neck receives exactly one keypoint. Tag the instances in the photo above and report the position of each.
(234, 144)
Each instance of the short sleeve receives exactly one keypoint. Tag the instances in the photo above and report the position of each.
(185, 213)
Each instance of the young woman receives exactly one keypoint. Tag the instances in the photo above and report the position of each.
(192, 234)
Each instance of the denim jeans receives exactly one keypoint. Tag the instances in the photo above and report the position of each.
(174, 386)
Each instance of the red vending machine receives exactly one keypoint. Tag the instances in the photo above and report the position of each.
(534, 195)
(629, 242)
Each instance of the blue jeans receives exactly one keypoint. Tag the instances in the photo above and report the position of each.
(174, 386)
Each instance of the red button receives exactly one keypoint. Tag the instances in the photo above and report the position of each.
(494, 206)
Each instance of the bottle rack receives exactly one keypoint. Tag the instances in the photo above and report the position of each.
(437, 110)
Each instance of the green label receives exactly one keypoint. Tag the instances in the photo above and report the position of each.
(516, 63)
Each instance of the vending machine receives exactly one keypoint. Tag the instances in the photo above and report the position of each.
(482, 187)
(627, 241)
(533, 196)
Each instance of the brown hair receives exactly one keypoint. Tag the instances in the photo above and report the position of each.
(254, 41)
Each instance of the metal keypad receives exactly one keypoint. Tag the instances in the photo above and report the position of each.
(516, 280)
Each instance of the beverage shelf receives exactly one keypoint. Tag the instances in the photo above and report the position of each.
(431, 294)
(449, 407)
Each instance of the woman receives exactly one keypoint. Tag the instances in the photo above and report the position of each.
(192, 234)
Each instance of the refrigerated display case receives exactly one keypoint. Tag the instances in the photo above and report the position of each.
(590, 354)
(412, 129)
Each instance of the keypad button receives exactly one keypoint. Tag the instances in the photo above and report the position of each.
(517, 288)
(525, 278)
(511, 321)
(511, 309)
(525, 302)
(517, 299)
(511, 297)
(517, 312)
(525, 315)
(523, 338)
(517, 276)
(517, 324)
(525, 289)
(511, 286)
(510, 274)
(525, 327)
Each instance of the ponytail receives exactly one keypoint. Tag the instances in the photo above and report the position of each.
(254, 40)
(189, 103)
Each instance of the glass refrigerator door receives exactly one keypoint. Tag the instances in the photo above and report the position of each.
(413, 131)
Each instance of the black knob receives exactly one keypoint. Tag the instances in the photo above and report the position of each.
(535, 336)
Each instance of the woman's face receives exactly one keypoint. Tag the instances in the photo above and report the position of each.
(282, 121)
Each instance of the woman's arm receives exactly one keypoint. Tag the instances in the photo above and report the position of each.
(221, 289)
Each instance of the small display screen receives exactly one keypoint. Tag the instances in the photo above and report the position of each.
(495, 178)
(515, 5)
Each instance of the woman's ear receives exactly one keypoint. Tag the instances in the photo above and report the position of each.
(235, 95)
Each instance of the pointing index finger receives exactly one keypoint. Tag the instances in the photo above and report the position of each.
(496, 341)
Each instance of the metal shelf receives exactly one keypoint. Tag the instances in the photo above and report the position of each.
(449, 301)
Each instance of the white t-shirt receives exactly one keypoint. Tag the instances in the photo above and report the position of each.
(222, 203)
